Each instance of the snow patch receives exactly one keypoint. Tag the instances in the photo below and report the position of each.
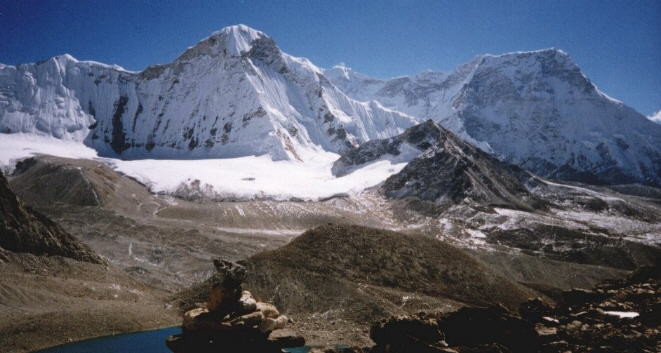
(656, 117)
(261, 231)
(623, 314)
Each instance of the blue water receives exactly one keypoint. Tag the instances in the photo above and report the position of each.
(139, 342)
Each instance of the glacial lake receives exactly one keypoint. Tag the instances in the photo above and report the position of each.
(138, 342)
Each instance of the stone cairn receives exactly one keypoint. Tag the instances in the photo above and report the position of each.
(232, 320)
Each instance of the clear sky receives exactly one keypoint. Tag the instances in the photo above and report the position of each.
(616, 43)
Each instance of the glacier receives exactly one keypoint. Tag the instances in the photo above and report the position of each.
(240, 178)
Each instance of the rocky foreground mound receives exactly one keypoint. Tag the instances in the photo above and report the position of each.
(617, 316)
(336, 279)
(232, 320)
(25, 230)
(369, 256)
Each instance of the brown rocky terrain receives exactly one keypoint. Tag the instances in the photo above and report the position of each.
(334, 278)
(52, 286)
(616, 316)
(164, 244)
(25, 230)
(51, 300)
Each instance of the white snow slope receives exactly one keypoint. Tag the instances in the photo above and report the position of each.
(242, 178)
(233, 94)
(534, 109)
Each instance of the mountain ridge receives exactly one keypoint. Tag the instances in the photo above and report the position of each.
(24, 230)
(215, 100)
(533, 109)
(235, 93)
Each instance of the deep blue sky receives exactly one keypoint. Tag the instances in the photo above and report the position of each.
(616, 43)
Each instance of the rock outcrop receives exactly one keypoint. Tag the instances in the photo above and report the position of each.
(617, 316)
(25, 230)
(232, 320)
(443, 169)
(450, 170)
(397, 149)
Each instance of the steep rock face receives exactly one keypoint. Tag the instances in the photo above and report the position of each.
(442, 168)
(450, 170)
(25, 230)
(533, 109)
(233, 94)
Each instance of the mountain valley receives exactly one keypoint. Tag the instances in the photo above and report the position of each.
(348, 199)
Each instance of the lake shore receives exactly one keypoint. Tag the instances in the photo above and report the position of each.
(49, 301)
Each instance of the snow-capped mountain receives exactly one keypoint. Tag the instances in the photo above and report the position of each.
(534, 109)
(233, 94)
(236, 93)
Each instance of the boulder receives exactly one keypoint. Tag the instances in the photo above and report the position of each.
(578, 298)
(407, 334)
(472, 327)
(535, 309)
(269, 310)
(247, 303)
(285, 338)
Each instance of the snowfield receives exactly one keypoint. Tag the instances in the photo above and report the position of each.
(243, 178)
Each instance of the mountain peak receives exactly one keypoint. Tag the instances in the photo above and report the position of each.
(549, 57)
(231, 40)
(546, 52)
(65, 57)
(340, 71)
(239, 28)
(239, 36)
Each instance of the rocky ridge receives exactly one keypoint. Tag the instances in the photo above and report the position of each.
(443, 169)
(397, 149)
(23, 229)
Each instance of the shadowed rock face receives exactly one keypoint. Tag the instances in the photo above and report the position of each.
(400, 148)
(451, 170)
(25, 230)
